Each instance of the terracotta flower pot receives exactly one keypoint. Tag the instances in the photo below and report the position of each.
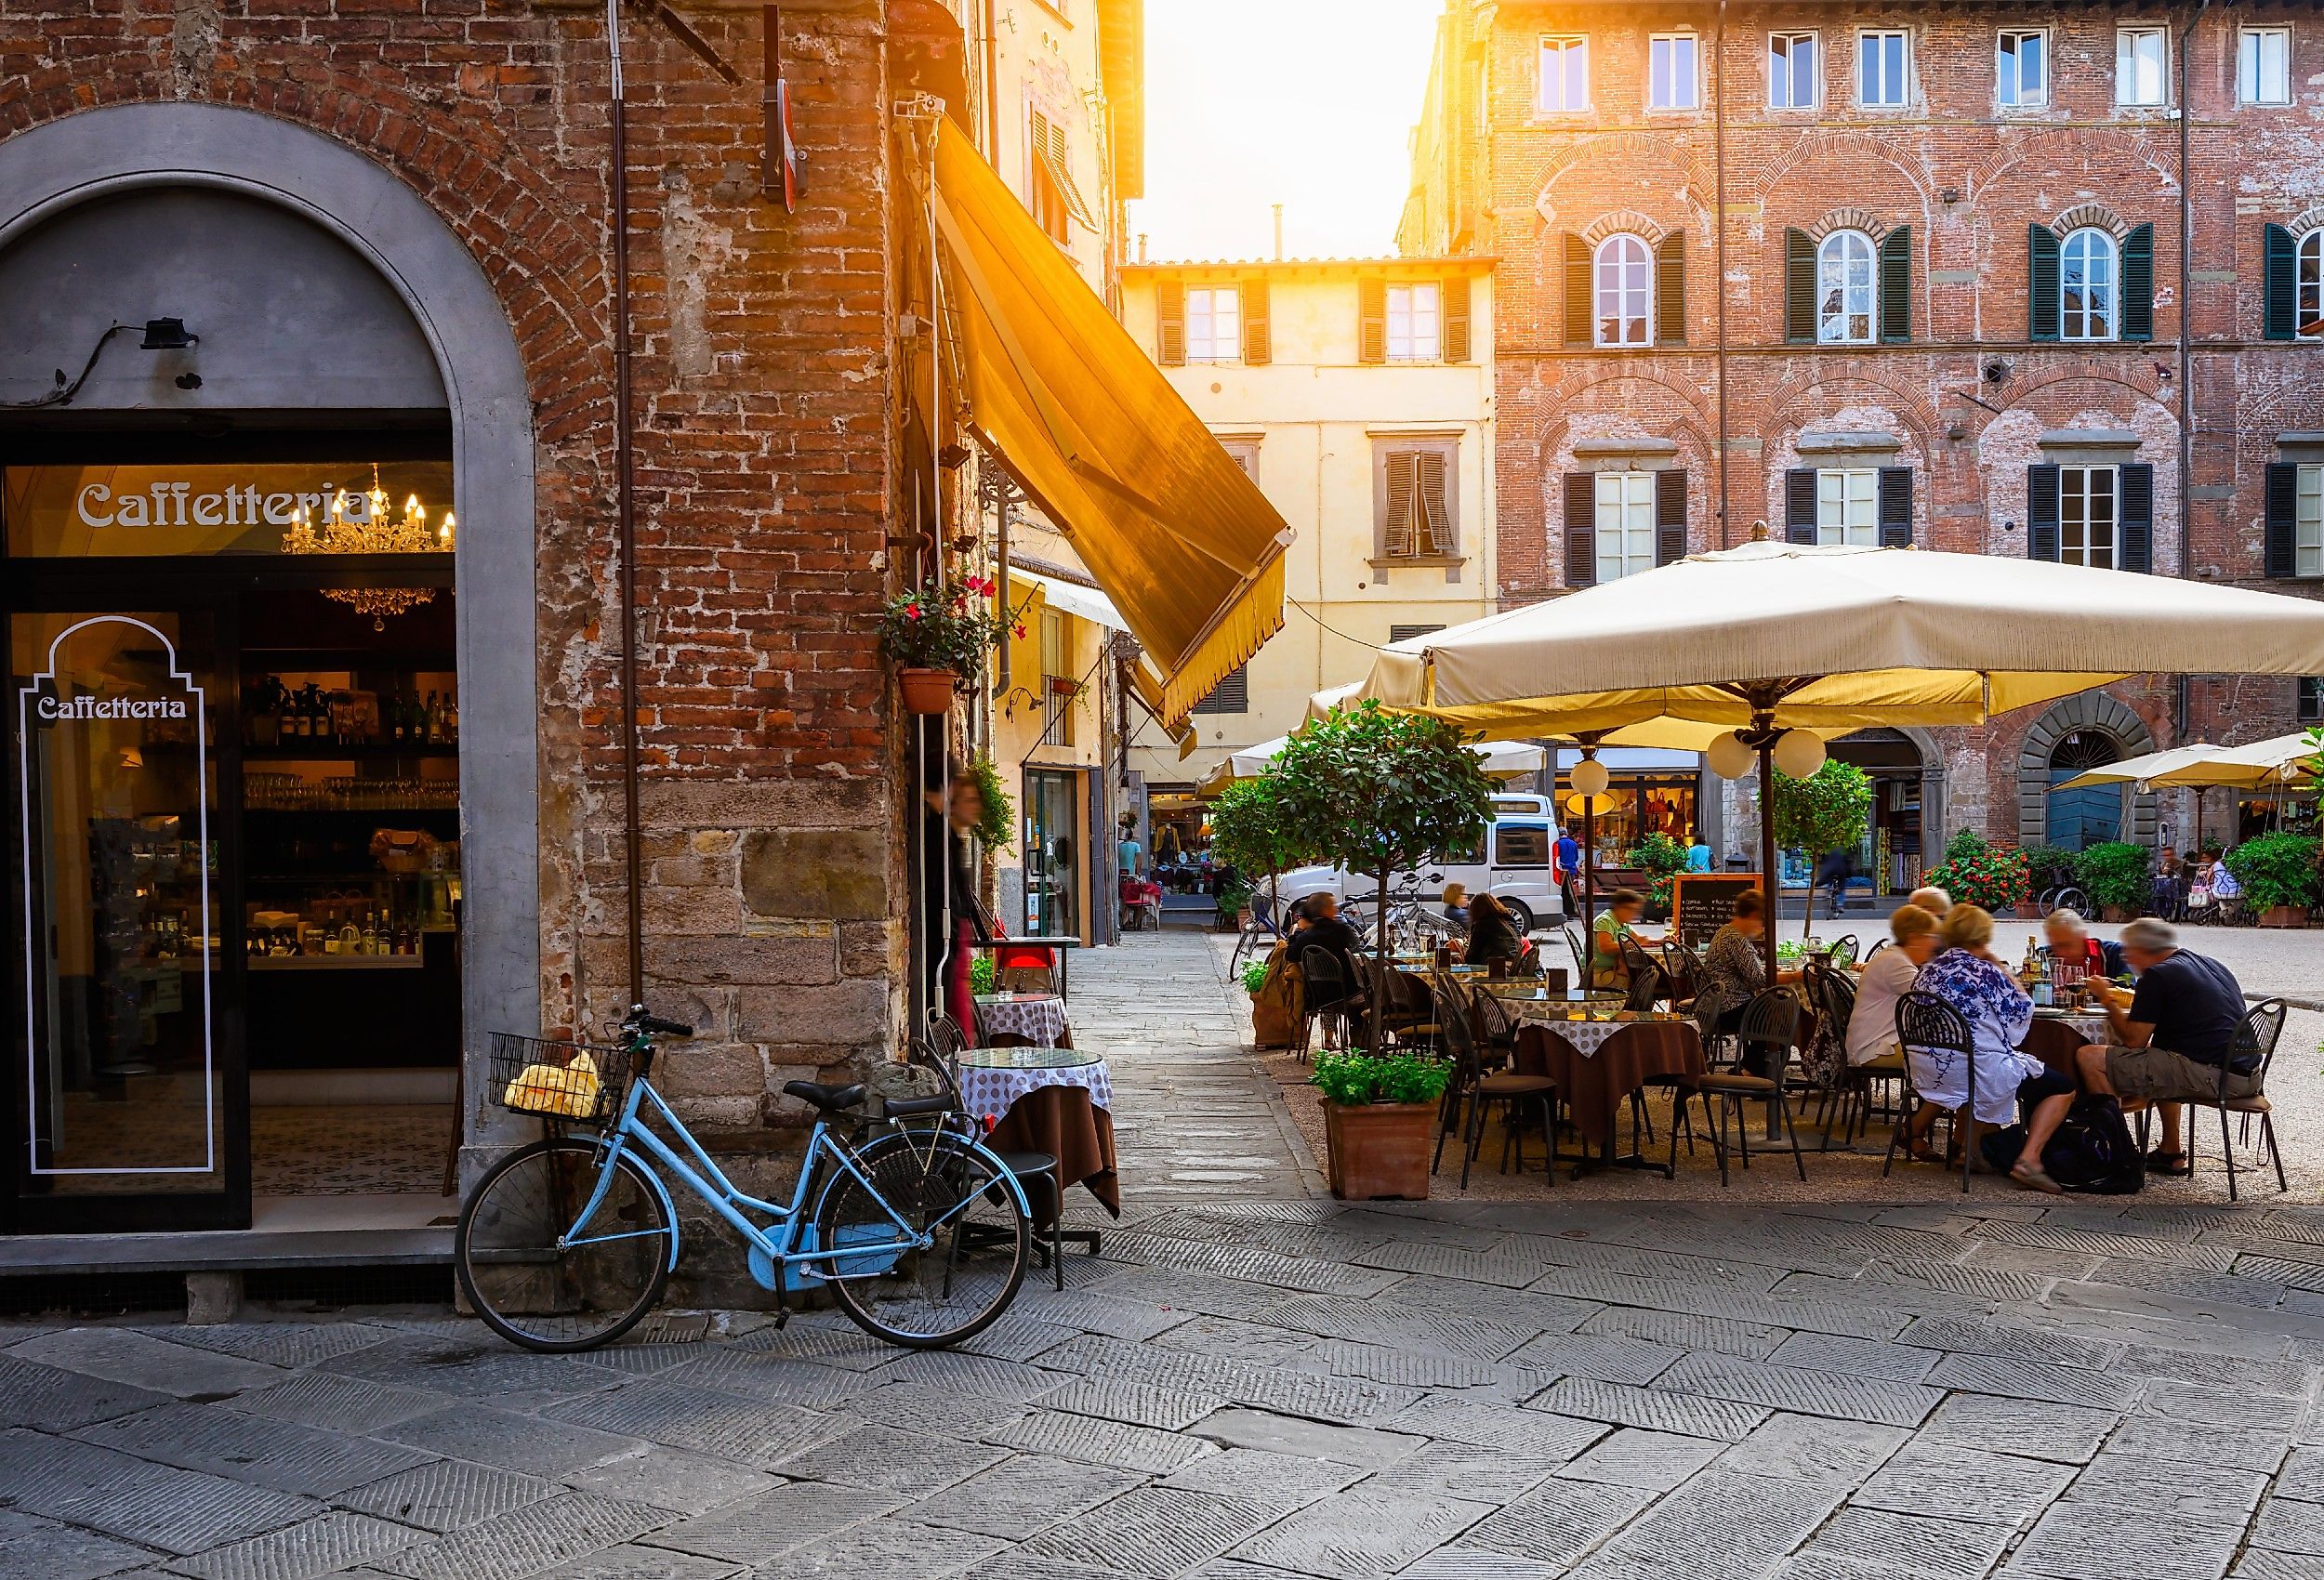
(928, 690)
(2284, 917)
(2030, 911)
(2121, 913)
(1379, 1150)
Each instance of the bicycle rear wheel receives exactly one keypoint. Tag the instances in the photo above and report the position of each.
(924, 1299)
(536, 1279)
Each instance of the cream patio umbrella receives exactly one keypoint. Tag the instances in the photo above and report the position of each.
(2201, 766)
(1772, 641)
(1501, 759)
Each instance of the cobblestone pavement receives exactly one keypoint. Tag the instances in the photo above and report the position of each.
(1256, 1387)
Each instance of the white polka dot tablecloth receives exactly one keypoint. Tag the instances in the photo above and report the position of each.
(989, 1092)
(1587, 1036)
(1037, 1018)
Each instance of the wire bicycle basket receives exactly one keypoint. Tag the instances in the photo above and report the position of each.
(548, 1079)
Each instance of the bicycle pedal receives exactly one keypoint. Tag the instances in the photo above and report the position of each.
(781, 1319)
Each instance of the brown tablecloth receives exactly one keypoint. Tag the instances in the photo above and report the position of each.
(1594, 1087)
(2054, 1043)
(1062, 1122)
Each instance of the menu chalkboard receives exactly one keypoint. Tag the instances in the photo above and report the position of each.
(1703, 902)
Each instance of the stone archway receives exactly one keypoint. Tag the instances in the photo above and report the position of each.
(2085, 711)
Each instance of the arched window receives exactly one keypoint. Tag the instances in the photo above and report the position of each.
(2309, 317)
(2087, 279)
(1844, 289)
(1624, 277)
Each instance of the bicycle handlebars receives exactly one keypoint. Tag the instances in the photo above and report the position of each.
(639, 1020)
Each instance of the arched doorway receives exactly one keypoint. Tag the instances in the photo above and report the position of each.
(2079, 733)
(2093, 814)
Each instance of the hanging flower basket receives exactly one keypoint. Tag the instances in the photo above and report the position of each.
(928, 690)
(938, 636)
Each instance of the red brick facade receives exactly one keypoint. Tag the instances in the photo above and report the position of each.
(1965, 399)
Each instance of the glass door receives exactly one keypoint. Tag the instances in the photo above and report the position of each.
(1051, 878)
(127, 1107)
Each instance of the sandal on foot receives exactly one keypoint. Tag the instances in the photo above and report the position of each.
(2170, 1165)
(2032, 1177)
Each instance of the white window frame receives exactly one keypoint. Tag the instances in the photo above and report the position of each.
(1623, 291)
(2110, 311)
(2009, 71)
(1815, 70)
(1623, 524)
(1848, 506)
(1416, 322)
(1560, 46)
(2076, 496)
(2251, 86)
(2307, 522)
(2126, 66)
(1211, 345)
(2307, 266)
(1833, 329)
(1902, 87)
(1657, 80)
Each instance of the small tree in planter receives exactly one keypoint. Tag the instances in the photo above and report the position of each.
(1377, 1115)
(1661, 857)
(1824, 812)
(1974, 873)
(1375, 791)
(938, 636)
(2279, 874)
(2117, 874)
(1250, 831)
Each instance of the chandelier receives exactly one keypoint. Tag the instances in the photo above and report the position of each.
(359, 523)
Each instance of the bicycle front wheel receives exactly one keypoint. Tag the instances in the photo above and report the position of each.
(937, 1185)
(542, 1279)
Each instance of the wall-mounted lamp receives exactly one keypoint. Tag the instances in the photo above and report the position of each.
(167, 334)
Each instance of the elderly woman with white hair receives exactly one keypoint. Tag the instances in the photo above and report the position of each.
(1933, 900)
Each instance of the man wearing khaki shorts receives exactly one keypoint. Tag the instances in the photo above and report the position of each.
(2177, 1041)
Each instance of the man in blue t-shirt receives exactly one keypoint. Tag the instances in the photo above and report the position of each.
(1568, 868)
(1698, 855)
(2179, 1041)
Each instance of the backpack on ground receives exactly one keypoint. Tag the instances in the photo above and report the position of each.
(2093, 1153)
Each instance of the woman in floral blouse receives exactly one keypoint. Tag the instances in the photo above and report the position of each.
(1969, 977)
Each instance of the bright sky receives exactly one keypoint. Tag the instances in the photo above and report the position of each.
(1301, 102)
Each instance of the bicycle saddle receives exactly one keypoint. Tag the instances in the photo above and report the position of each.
(828, 1099)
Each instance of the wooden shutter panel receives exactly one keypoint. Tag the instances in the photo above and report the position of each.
(2282, 555)
(1577, 323)
(1896, 506)
(1454, 296)
(2041, 287)
(1581, 529)
(1257, 343)
(1670, 516)
(2138, 283)
(1798, 505)
(1670, 290)
(2279, 299)
(2136, 526)
(1170, 322)
(1436, 518)
(2041, 511)
(1396, 536)
(1895, 285)
(1799, 288)
(1371, 321)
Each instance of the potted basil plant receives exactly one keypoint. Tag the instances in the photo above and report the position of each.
(1380, 1114)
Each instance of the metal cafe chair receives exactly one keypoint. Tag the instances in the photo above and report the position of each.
(1035, 1170)
(1771, 1020)
(2263, 1026)
(1928, 1024)
(1473, 1091)
(1326, 997)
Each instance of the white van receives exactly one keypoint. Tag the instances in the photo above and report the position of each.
(1516, 863)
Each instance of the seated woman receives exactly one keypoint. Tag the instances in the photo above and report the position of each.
(1887, 977)
(2068, 942)
(1493, 934)
(1968, 976)
(1618, 921)
(1454, 903)
(1735, 968)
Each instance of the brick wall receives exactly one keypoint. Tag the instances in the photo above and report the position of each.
(1967, 180)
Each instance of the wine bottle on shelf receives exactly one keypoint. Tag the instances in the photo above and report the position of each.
(431, 720)
(452, 717)
(395, 716)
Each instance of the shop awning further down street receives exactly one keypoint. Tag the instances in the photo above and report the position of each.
(1179, 539)
(1087, 602)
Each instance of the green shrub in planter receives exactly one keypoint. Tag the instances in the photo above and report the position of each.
(1354, 1078)
(1254, 975)
(2276, 869)
(2116, 873)
(1976, 873)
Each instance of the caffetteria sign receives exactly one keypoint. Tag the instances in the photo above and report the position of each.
(49, 708)
(101, 512)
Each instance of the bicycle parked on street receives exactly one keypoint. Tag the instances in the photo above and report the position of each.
(919, 1232)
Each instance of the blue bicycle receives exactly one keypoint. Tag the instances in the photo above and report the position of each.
(918, 1230)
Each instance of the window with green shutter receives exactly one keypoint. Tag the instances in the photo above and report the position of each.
(1896, 285)
(2279, 292)
(2138, 283)
(2041, 282)
(1799, 288)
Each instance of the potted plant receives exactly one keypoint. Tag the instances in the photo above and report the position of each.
(1254, 976)
(2047, 867)
(1827, 810)
(2279, 874)
(1379, 1115)
(1660, 858)
(2117, 876)
(938, 635)
(1375, 792)
(1233, 898)
(1992, 878)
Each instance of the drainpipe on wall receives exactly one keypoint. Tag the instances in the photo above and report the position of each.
(626, 515)
(1719, 229)
(2187, 307)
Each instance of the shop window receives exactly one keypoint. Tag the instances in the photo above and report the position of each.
(2021, 68)
(2141, 59)
(2263, 66)
(1565, 75)
(1670, 76)
(1232, 694)
(1792, 71)
(1882, 60)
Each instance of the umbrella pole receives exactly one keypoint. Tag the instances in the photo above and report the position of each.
(1588, 893)
(1767, 876)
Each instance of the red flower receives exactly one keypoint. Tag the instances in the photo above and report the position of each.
(911, 611)
(1020, 629)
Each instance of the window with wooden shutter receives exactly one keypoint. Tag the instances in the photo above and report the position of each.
(1170, 322)
(1896, 506)
(2041, 511)
(1371, 321)
(1799, 288)
(1405, 633)
(1670, 516)
(1455, 299)
(1232, 694)
(1798, 505)
(1580, 330)
(2279, 296)
(1896, 285)
(2135, 506)
(2281, 556)
(2041, 283)
(1045, 191)
(1581, 529)
(1397, 533)
(1671, 289)
(1417, 517)
(2138, 283)
(1258, 341)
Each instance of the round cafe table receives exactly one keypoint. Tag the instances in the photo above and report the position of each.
(1039, 1018)
(1048, 1099)
(2053, 1037)
(1597, 1064)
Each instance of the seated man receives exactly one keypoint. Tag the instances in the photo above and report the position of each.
(1328, 931)
(2067, 940)
(2177, 1041)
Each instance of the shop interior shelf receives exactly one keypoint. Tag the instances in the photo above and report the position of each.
(323, 751)
(334, 963)
(373, 877)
